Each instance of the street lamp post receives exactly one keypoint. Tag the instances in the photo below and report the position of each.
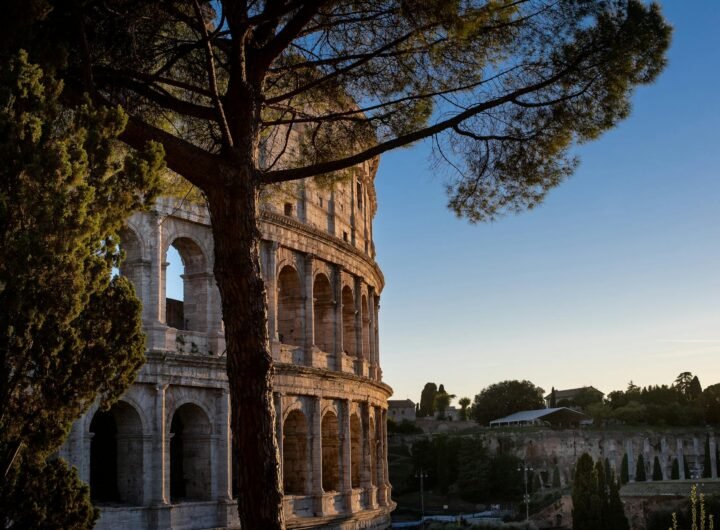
(422, 475)
(526, 498)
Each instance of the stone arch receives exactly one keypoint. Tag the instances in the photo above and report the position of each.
(295, 453)
(116, 455)
(330, 429)
(348, 319)
(355, 450)
(191, 312)
(290, 307)
(324, 309)
(365, 326)
(190, 469)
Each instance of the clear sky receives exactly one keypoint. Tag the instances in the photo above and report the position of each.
(616, 277)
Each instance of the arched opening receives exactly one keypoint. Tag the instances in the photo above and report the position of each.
(330, 452)
(290, 307)
(189, 454)
(348, 317)
(186, 284)
(323, 306)
(116, 456)
(365, 327)
(295, 454)
(355, 450)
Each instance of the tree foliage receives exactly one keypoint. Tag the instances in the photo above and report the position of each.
(596, 498)
(427, 400)
(70, 333)
(464, 403)
(504, 398)
(657, 473)
(243, 95)
(624, 470)
(640, 473)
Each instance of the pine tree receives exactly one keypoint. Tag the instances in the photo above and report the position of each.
(68, 332)
(675, 473)
(657, 470)
(640, 475)
(624, 470)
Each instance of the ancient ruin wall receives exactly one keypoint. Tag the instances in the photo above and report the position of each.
(161, 457)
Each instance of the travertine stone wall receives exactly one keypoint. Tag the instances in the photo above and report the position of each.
(161, 459)
(547, 449)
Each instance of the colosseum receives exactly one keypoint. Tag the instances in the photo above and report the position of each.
(160, 457)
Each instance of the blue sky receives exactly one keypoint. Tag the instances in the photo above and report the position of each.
(615, 277)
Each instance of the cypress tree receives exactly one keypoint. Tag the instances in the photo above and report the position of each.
(640, 475)
(69, 334)
(675, 473)
(585, 512)
(707, 461)
(602, 495)
(657, 470)
(624, 470)
(616, 519)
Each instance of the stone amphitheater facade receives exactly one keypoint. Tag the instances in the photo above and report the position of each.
(160, 458)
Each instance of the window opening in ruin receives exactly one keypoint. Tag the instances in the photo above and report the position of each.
(189, 454)
(186, 286)
(295, 454)
(359, 193)
(345, 236)
(330, 452)
(116, 466)
(348, 319)
(355, 450)
(324, 310)
(290, 308)
(288, 209)
(321, 202)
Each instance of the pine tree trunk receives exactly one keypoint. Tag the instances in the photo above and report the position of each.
(234, 211)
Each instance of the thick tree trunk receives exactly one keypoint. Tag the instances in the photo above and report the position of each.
(234, 215)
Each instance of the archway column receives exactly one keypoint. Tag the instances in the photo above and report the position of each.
(316, 458)
(360, 360)
(346, 444)
(159, 464)
(337, 281)
(381, 461)
(223, 464)
(271, 248)
(372, 355)
(309, 309)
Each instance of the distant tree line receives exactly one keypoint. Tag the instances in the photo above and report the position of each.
(680, 404)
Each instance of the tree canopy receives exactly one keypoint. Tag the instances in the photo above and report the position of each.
(70, 333)
(247, 94)
(504, 398)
